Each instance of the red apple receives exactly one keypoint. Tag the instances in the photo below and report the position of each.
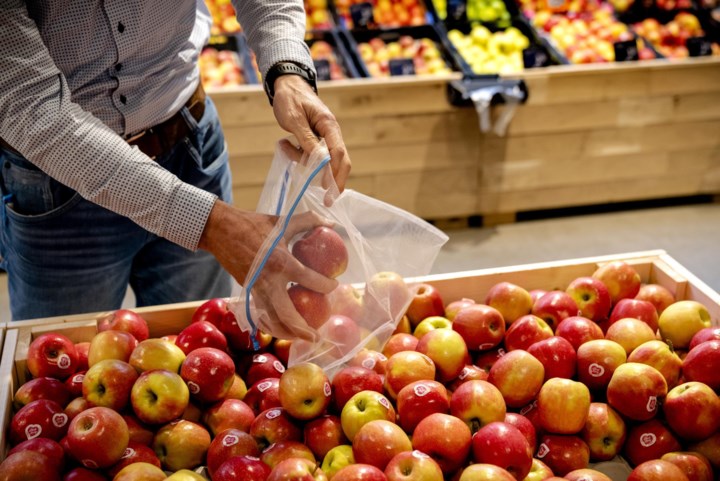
(41, 388)
(313, 306)
(447, 350)
(274, 425)
(212, 311)
(281, 349)
(446, 439)
(134, 453)
(649, 440)
(263, 395)
(659, 296)
(406, 367)
(263, 366)
(486, 359)
(629, 333)
(511, 300)
(454, 307)
(524, 425)
(108, 383)
(343, 333)
(536, 294)
(346, 300)
(139, 432)
(159, 396)
(52, 355)
(563, 406)
(704, 334)
(659, 355)
(597, 360)
(526, 331)
(555, 306)
(635, 389)
(426, 302)
(637, 309)
(362, 408)
(83, 474)
(369, 359)
(227, 414)
(587, 474)
(563, 453)
(477, 403)
(322, 250)
(41, 418)
(692, 411)
(386, 298)
(47, 447)
(620, 278)
(359, 472)
(378, 441)
(111, 344)
(418, 400)
(701, 364)
(469, 373)
(74, 383)
(227, 444)
(305, 391)
(657, 470)
(604, 432)
(242, 468)
(201, 334)
(503, 445)
(710, 448)
(481, 326)
(400, 342)
(350, 380)
(82, 349)
(208, 373)
(557, 356)
(97, 437)
(239, 339)
(485, 472)
(324, 433)
(282, 450)
(28, 466)
(519, 376)
(413, 466)
(591, 296)
(127, 321)
(578, 330)
(695, 466)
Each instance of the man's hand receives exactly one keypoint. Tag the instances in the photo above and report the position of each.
(301, 112)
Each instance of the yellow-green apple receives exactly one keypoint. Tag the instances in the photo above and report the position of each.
(185, 475)
(503, 445)
(485, 472)
(238, 388)
(336, 459)
(41, 418)
(200, 334)
(82, 474)
(710, 448)
(659, 296)
(227, 414)
(313, 306)
(125, 320)
(323, 250)
(591, 296)
(28, 466)
(156, 354)
(587, 474)
(704, 334)
(524, 425)
(82, 349)
(680, 321)
(282, 450)
(477, 403)
(555, 306)
(297, 469)
(362, 408)
(485, 359)
(539, 471)
(695, 466)
(304, 391)
(431, 323)
(378, 441)
(604, 432)
(274, 425)
(139, 432)
(620, 278)
(511, 300)
(42, 388)
(659, 355)
(211, 311)
(692, 411)
(111, 344)
(635, 390)
(369, 359)
(74, 383)
(159, 396)
(426, 302)
(482, 326)
(52, 355)
(525, 331)
(47, 447)
(563, 406)
(444, 438)
(519, 376)
(208, 373)
(108, 383)
(400, 342)
(629, 333)
(418, 400)
(227, 444)
(357, 471)
(413, 466)
(563, 453)
(342, 333)
(242, 468)
(557, 356)
(597, 360)
(649, 440)
(657, 470)
(350, 380)
(181, 444)
(140, 472)
(324, 433)
(405, 367)
(281, 349)
(97, 437)
(456, 306)
(385, 298)
(701, 363)
(239, 339)
(447, 350)
(263, 395)
(346, 300)
(636, 309)
(134, 453)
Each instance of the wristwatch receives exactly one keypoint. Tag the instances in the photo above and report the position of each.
(288, 68)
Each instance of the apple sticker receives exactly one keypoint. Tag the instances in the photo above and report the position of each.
(543, 451)
(59, 419)
(272, 414)
(128, 452)
(278, 366)
(264, 386)
(230, 440)
(648, 439)
(421, 390)
(596, 370)
(32, 431)
(64, 361)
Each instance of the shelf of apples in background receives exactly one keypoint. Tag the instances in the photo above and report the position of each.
(223, 16)
(227, 61)
(386, 13)
(327, 45)
(318, 15)
(670, 38)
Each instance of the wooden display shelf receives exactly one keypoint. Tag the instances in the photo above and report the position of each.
(589, 134)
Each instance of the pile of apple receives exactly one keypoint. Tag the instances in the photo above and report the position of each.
(386, 13)
(527, 386)
(488, 11)
(487, 52)
(317, 15)
(220, 68)
(425, 54)
(670, 39)
(223, 15)
(322, 50)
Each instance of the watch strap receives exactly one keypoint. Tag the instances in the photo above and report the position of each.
(288, 68)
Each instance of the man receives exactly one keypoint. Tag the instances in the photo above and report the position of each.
(113, 166)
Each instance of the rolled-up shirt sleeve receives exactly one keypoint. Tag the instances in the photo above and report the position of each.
(275, 30)
(39, 120)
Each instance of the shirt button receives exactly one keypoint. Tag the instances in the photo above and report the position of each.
(123, 99)
(118, 67)
(120, 27)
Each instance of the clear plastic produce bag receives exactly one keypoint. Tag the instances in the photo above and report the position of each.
(386, 247)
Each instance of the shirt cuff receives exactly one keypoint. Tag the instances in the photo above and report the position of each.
(188, 215)
(285, 50)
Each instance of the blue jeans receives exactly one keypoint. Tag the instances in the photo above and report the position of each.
(65, 255)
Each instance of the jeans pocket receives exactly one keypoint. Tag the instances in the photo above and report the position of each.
(206, 144)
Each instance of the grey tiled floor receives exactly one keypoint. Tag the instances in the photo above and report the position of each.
(691, 234)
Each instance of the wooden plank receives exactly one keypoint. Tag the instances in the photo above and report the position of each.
(696, 289)
(702, 106)
(681, 80)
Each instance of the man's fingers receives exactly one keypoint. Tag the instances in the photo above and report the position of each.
(305, 222)
(311, 279)
(292, 152)
(329, 130)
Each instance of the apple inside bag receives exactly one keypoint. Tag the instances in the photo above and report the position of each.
(371, 249)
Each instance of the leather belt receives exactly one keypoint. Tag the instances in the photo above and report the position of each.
(159, 139)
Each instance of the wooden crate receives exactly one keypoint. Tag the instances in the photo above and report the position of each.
(653, 266)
